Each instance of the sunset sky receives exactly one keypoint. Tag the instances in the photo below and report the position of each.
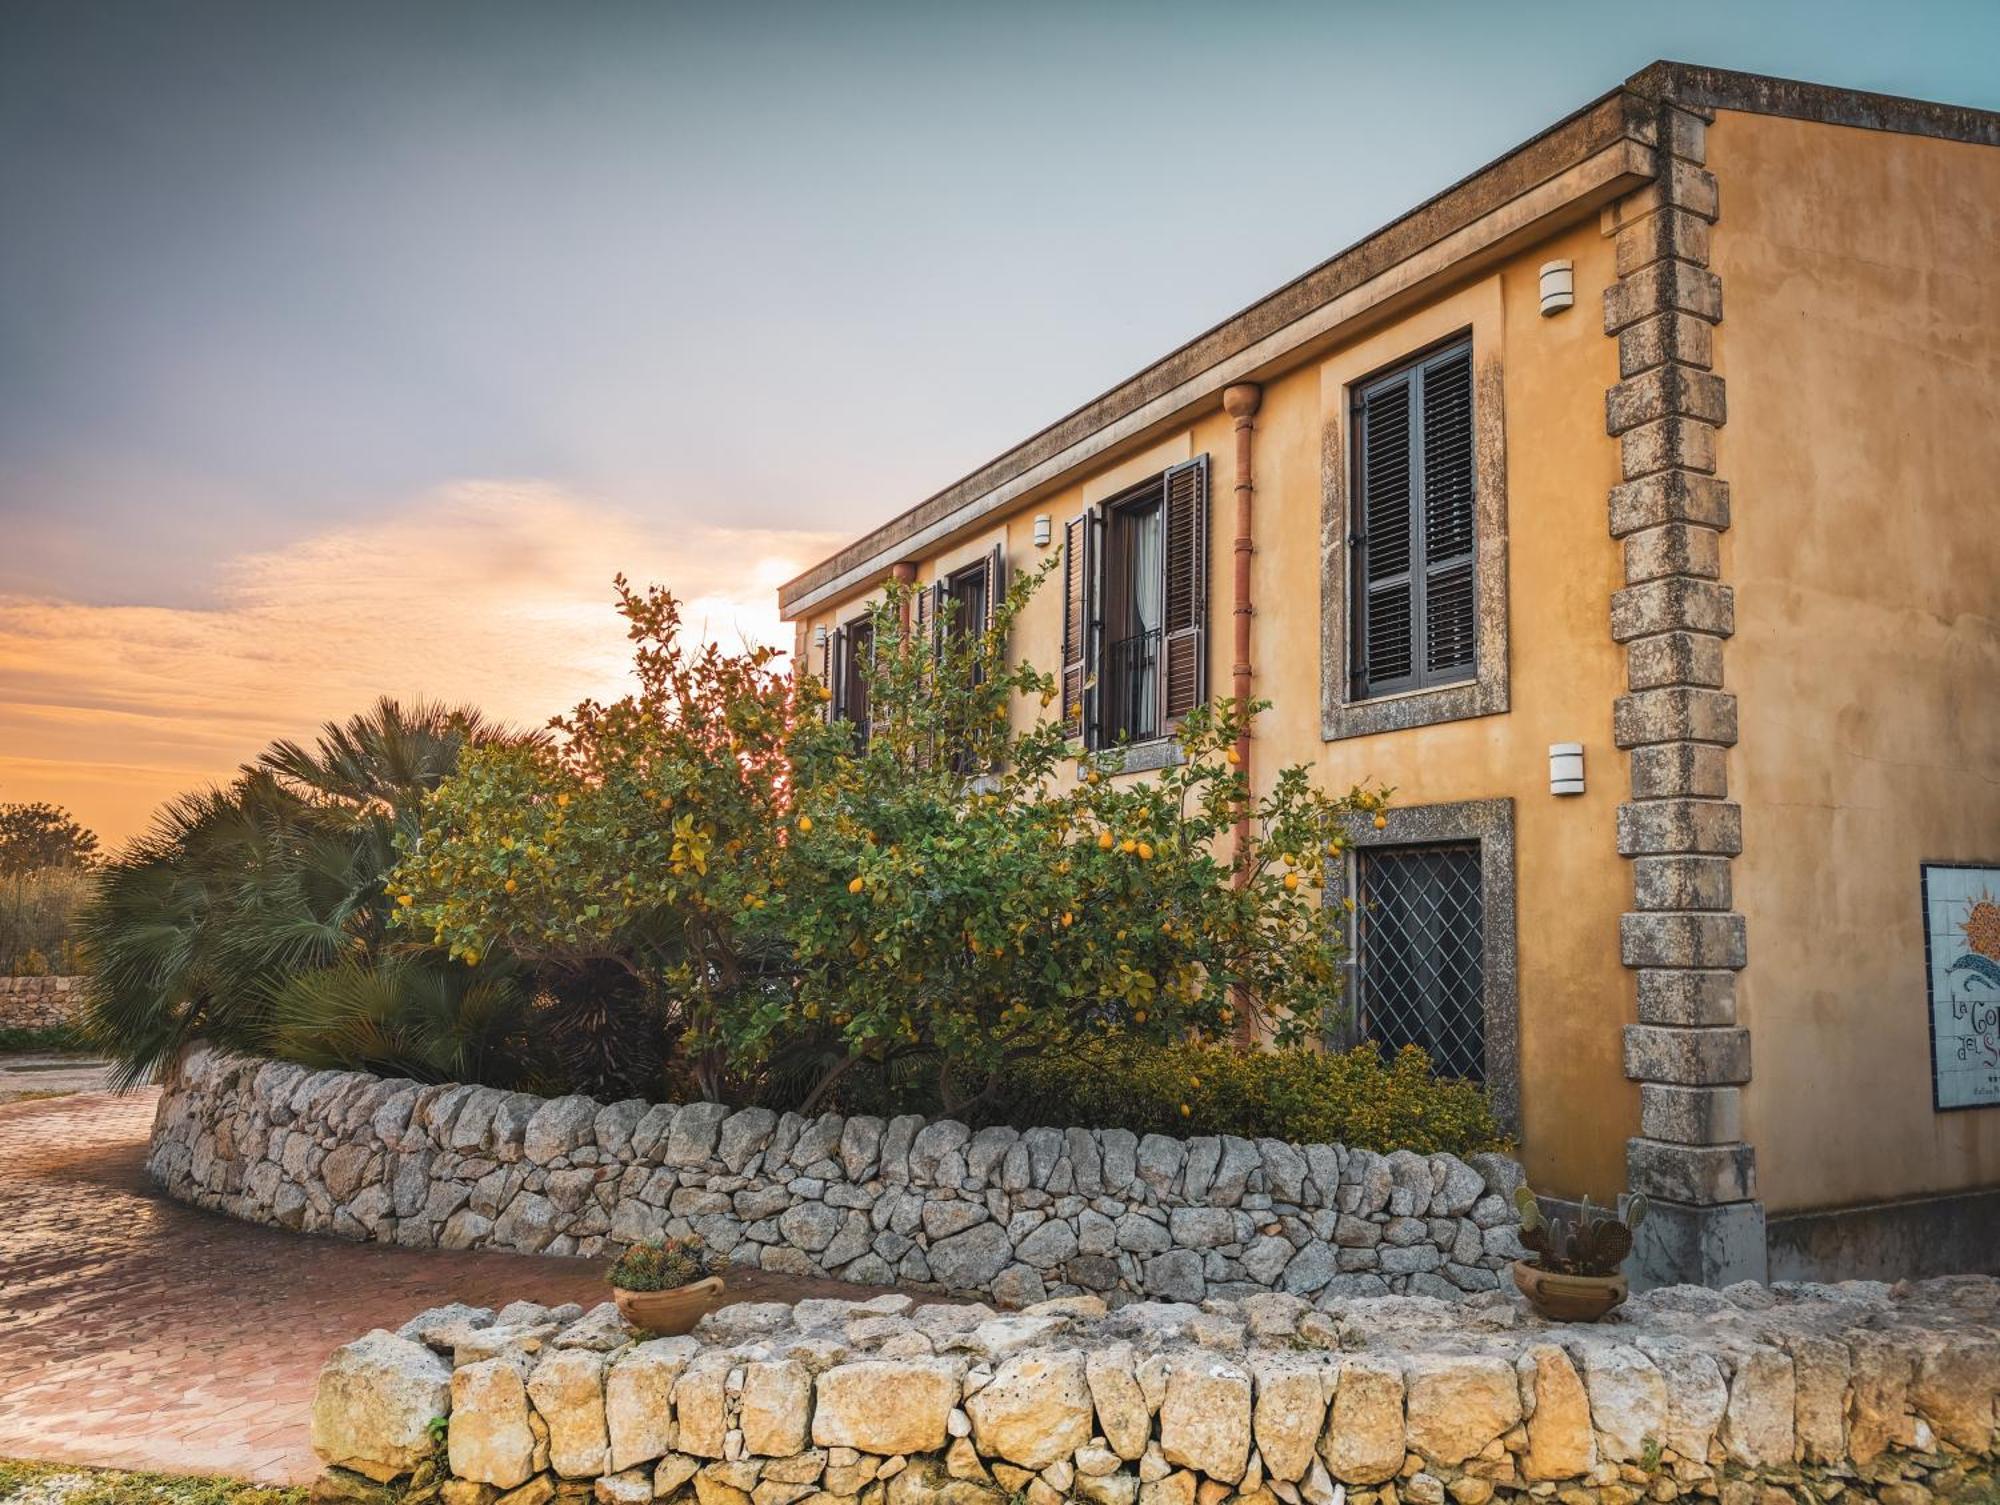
(352, 348)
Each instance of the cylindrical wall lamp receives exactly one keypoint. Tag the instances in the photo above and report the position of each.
(1565, 768)
(1044, 530)
(1558, 287)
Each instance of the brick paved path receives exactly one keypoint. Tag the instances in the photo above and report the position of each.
(138, 1333)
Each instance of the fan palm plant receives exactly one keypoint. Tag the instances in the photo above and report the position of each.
(198, 925)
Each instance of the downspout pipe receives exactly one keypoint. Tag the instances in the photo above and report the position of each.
(904, 573)
(1241, 402)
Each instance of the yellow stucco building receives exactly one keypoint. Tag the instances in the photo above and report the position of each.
(1674, 631)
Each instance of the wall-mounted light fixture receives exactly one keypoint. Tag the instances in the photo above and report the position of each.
(1558, 287)
(1565, 768)
(1044, 530)
(819, 637)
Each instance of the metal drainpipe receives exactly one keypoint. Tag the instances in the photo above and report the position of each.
(1241, 402)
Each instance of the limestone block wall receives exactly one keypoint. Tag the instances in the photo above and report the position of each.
(39, 1002)
(1751, 1395)
(1016, 1216)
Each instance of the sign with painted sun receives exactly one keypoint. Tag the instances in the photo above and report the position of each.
(1962, 952)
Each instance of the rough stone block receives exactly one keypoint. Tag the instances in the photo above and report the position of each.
(1682, 939)
(1672, 549)
(1688, 998)
(1675, 604)
(1666, 443)
(1674, 713)
(1718, 1057)
(1690, 1115)
(1665, 337)
(1681, 882)
(1677, 770)
(1684, 135)
(1646, 827)
(1683, 1244)
(1681, 184)
(1669, 391)
(1363, 1441)
(1667, 233)
(1674, 658)
(1701, 1175)
(1672, 496)
(1679, 286)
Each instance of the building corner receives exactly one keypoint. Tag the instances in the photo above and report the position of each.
(1682, 938)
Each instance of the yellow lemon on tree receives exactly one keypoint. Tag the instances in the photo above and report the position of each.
(1145, 851)
(1291, 882)
(405, 900)
(1233, 756)
(855, 884)
(1381, 822)
(1067, 917)
(512, 885)
(805, 825)
(1128, 846)
(1103, 841)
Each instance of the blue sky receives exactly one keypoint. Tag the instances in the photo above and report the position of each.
(713, 286)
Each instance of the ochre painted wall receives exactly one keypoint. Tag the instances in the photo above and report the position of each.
(1861, 344)
(1577, 1107)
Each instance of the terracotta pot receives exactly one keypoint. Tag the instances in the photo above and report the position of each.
(1569, 1298)
(668, 1314)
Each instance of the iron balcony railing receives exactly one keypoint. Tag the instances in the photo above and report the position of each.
(1130, 687)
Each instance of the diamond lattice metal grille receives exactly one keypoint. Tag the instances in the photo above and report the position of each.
(1420, 936)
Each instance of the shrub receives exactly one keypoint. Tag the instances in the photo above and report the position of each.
(235, 892)
(661, 1264)
(38, 916)
(1306, 1096)
(819, 921)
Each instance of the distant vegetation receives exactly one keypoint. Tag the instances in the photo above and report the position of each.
(45, 876)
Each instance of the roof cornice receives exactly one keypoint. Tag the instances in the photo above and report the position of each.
(1561, 175)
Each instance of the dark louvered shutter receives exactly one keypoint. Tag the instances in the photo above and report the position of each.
(1448, 517)
(836, 676)
(925, 616)
(1386, 584)
(826, 675)
(1079, 690)
(1184, 601)
(1414, 544)
(996, 583)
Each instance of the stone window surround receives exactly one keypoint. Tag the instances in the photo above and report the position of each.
(1474, 311)
(1489, 822)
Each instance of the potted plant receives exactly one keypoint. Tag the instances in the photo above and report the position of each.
(665, 1286)
(1576, 1274)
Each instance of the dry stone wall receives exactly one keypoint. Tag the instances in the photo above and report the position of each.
(1015, 1216)
(39, 1002)
(1749, 1396)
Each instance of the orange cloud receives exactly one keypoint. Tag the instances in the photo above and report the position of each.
(495, 594)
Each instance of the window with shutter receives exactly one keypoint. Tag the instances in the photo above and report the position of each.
(1135, 638)
(853, 648)
(1414, 517)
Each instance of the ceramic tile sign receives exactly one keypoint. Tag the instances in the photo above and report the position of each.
(1962, 954)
